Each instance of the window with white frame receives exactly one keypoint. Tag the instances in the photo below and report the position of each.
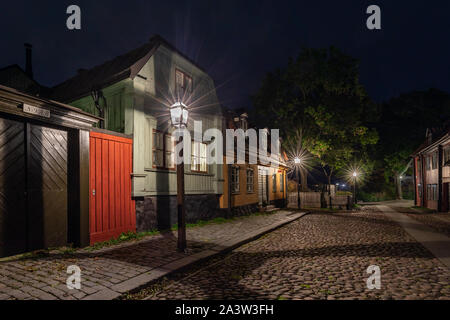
(198, 157)
(250, 180)
(184, 84)
(163, 153)
(235, 179)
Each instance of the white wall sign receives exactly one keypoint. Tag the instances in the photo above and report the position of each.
(36, 110)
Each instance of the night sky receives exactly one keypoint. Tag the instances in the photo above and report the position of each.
(237, 42)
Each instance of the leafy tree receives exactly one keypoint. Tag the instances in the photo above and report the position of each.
(319, 92)
(402, 127)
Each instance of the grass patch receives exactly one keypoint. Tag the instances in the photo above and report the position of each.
(124, 237)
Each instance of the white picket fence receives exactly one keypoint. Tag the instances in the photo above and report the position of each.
(313, 200)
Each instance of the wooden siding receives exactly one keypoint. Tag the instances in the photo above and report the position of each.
(243, 197)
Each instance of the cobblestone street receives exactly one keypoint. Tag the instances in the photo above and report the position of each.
(109, 272)
(321, 256)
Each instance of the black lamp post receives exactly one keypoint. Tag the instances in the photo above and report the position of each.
(297, 162)
(179, 116)
(355, 174)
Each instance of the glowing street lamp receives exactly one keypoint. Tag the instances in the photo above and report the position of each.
(297, 163)
(179, 116)
(355, 175)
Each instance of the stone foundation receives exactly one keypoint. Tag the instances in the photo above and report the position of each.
(160, 212)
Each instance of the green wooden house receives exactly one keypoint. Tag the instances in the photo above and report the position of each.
(133, 93)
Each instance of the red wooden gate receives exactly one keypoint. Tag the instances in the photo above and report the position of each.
(112, 210)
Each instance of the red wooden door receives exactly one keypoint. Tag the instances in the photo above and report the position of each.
(112, 210)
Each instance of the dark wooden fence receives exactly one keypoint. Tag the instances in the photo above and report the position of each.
(316, 200)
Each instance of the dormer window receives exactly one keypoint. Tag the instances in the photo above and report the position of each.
(184, 84)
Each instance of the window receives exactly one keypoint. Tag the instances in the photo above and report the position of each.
(163, 150)
(447, 156)
(281, 182)
(235, 179)
(419, 167)
(169, 156)
(183, 84)
(274, 182)
(434, 162)
(428, 163)
(432, 192)
(250, 181)
(198, 157)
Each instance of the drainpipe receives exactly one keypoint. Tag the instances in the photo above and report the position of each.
(416, 187)
(229, 190)
(424, 181)
(97, 94)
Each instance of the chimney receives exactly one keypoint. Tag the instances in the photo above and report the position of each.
(28, 61)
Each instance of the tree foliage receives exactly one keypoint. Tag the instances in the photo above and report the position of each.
(320, 93)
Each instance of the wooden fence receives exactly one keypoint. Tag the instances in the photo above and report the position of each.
(317, 200)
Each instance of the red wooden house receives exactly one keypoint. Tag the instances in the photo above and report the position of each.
(432, 171)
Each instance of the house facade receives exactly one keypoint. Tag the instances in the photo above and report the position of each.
(133, 93)
(251, 187)
(432, 171)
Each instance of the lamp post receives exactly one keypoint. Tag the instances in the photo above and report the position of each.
(297, 162)
(179, 116)
(355, 174)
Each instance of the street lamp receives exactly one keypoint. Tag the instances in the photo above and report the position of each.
(179, 115)
(297, 162)
(355, 174)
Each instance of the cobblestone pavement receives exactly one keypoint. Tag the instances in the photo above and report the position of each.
(102, 271)
(321, 256)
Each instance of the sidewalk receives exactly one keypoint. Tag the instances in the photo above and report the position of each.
(110, 272)
(437, 243)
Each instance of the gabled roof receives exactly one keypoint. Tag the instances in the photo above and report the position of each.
(14, 76)
(438, 136)
(117, 69)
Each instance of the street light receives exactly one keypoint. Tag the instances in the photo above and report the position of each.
(297, 162)
(179, 115)
(355, 174)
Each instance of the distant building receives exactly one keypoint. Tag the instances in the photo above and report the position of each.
(13, 76)
(432, 171)
(251, 187)
(133, 93)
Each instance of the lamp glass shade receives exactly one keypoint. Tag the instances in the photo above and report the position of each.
(179, 115)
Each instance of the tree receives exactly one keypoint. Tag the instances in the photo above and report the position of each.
(402, 127)
(319, 93)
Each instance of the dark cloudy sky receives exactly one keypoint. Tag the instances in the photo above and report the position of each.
(237, 42)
